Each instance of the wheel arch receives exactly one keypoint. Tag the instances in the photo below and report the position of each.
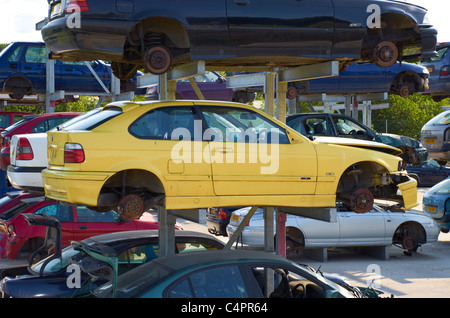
(173, 30)
(410, 229)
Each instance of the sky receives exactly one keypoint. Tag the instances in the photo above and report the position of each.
(18, 18)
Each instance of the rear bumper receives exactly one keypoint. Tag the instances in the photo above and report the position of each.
(27, 178)
(74, 187)
(95, 38)
(428, 38)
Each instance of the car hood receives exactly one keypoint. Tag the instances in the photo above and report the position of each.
(351, 142)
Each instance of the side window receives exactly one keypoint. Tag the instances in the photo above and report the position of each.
(316, 126)
(165, 123)
(61, 212)
(4, 120)
(48, 124)
(35, 54)
(16, 118)
(219, 282)
(15, 56)
(89, 216)
(194, 247)
(347, 128)
(286, 284)
(136, 256)
(241, 125)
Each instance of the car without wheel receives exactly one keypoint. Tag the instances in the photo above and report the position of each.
(235, 33)
(200, 154)
(378, 227)
(23, 72)
(401, 79)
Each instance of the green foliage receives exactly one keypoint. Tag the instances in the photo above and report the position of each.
(406, 116)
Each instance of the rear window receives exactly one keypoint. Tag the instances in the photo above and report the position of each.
(20, 122)
(95, 120)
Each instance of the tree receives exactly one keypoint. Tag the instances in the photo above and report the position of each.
(406, 116)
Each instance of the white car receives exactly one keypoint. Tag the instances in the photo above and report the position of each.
(28, 157)
(377, 227)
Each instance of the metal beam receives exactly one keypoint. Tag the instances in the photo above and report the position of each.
(239, 229)
(180, 72)
(322, 214)
(307, 72)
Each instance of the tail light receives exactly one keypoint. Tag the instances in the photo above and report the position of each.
(445, 71)
(222, 214)
(24, 150)
(73, 153)
(6, 141)
(77, 6)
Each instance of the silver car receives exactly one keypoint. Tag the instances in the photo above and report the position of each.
(435, 137)
(377, 227)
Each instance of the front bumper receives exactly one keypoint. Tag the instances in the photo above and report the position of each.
(408, 190)
(74, 187)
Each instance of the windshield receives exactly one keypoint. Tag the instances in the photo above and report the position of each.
(20, 122)
(56, 265)
(77, 119)
(95, 120)
(441, 119)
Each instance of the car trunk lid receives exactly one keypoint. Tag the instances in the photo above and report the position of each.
(56, 141)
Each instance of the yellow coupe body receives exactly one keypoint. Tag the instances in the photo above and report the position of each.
(197, 154)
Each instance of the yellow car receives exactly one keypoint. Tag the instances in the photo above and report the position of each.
(195, 154)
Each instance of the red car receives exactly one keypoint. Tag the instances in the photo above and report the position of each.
(28, 125)
(9, 118)
(18, 238)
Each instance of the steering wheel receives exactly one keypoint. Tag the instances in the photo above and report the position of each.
(299, 291)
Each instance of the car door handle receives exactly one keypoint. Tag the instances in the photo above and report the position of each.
(241, 2)
(224, 149)
(82, 227)
(27, 67)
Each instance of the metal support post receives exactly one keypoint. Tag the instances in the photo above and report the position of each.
(239, 229)
(269, 93)
(166, 231)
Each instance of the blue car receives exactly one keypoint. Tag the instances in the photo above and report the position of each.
(23, 72)
(439, 68)
(436, 202)
(402, 79)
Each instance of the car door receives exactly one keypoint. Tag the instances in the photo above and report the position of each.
(318, 233)
(64, 214)
(302, 27)
(89, 223)
(361, 229)
(171, 137)
(252, 155)
(364, 78)
(77, 77)
(33, 65)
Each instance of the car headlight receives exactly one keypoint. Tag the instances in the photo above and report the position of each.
(426, 19)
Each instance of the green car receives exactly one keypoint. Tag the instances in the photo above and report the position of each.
(219, 274)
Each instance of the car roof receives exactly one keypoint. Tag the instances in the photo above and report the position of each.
(180, 261)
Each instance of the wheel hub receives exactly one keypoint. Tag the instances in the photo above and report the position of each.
(362, 201)
(131, 207)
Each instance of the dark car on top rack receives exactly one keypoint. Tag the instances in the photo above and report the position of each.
(230, 33)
